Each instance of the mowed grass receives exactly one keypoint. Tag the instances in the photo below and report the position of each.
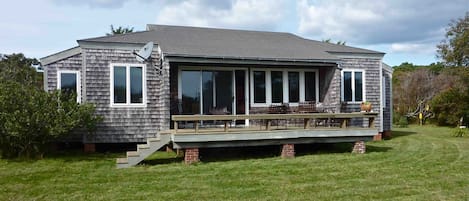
(419, 163)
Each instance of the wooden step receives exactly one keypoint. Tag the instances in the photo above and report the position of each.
(153, 139)
(122, 161)
(143, 146)
(133, 154)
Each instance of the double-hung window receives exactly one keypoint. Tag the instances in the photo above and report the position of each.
(353, 87)
(69, 83)
(127, 85)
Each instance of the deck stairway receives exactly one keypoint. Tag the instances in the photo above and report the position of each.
(144, 150)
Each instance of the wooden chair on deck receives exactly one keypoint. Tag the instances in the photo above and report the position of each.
(283, 108)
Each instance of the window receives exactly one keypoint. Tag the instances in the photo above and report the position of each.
(69, 83)
(352, 87)
(310, 86)
(283, 85)
(127, 85)
(259, 87)
(294, 87)
(277, 86)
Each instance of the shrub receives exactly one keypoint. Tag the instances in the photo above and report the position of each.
(30, 118)
(449, 106)
(460, 132)
(403, 123)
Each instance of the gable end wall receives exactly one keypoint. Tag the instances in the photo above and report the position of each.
(126, 124)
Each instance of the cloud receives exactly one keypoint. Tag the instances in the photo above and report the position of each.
(93, 3)
(247, 14)
(375, 22)
(413, 48)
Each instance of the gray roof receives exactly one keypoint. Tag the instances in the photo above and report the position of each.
(227, 43)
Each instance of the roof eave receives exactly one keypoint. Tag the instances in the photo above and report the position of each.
(60, 55)
(247, 60)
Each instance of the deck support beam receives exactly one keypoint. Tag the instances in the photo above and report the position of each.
(191, 155)
(288, 151)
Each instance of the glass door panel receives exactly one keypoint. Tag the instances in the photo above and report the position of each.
(224, 91)
(190, 81)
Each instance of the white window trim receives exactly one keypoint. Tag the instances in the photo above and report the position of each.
(353, 71)
(78, 78)
(268, 85)
(111, 85)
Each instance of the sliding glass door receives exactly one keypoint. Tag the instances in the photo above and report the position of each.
(207, 91)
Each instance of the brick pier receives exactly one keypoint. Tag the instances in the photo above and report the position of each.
(288, 151)
(191, 155)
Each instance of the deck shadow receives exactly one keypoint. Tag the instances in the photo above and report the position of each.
(397, 134)
(160, 161)
(238, 153)
(371, 148)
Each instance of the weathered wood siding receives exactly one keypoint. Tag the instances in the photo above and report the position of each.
(387, 110)
(372, 82)
(71, 63)
(126, 124)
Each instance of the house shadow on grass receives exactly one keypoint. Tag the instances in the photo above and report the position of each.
(238, 153)
(397, 134)
(159, 160)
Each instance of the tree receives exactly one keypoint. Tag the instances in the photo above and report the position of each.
(120, 30)
(330, 41)
(17, 67)
(454, 49)
(30, 117)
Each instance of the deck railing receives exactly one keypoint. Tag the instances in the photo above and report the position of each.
(343, 118)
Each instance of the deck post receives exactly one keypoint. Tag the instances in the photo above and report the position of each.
(343, 123)
(288, 151)
(226, 125)
(267, 124)
(306, 123)
(359, 147)
(175, 126)
(191, 155)
(371, 122)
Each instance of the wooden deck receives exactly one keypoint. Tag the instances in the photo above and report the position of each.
(266, 134)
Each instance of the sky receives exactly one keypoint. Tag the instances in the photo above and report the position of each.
(406, 30)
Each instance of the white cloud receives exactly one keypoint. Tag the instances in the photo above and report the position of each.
(374, 22)
(249, 14)
(413, 48)
(93, 3)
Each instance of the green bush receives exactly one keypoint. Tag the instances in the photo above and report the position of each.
(31, 118)
(449, 106)
(403, 123)
(460, 132)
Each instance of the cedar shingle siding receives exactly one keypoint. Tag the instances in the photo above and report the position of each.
(372, 84)
(120, 124)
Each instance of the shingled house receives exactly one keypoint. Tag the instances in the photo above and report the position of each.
(195, 70)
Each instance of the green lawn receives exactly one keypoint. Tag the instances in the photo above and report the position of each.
(419, 163)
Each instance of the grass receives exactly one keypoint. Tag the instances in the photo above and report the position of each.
(419, 163)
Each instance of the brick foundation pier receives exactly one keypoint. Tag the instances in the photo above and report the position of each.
(359, 147)
(288, 151)
(89, 147)
(191, 155)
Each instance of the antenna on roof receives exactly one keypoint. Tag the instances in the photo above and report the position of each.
(144, 53)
